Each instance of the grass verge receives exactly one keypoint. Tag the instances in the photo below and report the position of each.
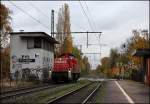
(100, 94)
(49, 94)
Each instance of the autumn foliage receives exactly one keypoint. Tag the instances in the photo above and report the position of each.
(5, 63)
(5, 28)
(121, 60)
(64, 31)
(5, 25)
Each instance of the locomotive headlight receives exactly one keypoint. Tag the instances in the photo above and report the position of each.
(69, 74)
(50, 73)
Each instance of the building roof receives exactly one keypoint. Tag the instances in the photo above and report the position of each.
(142, 52)
(41, 35)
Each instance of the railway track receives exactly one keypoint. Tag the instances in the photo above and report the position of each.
(22, 88)
(20, 92)
(81, 95)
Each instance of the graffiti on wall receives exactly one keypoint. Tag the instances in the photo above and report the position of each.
(25, 59)
(15, 64)
(47, 62)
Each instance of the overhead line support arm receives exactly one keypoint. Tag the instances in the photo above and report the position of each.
(74, 32)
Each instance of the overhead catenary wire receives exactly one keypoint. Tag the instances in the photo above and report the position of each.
(37, 9)
(72, 23)
(87, 8)
(90, 15)
(78, 26)
(29, 15)
(84, 12)
(90, 22)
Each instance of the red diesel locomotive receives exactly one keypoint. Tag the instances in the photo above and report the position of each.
(66, 68)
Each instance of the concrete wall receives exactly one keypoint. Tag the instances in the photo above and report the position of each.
(44, 59)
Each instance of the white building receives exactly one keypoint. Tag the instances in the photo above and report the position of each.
(32, 53)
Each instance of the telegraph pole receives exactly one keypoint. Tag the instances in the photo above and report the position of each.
(87, 40)
(52, 23)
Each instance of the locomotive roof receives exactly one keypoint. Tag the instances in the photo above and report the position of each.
(69, 54)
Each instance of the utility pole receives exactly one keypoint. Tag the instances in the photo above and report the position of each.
(52, 23)
(100, 45)
(87, 40)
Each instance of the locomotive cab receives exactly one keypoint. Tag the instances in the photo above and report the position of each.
(65, 68)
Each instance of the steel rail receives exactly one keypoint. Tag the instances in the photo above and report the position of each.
(67, 94)
(22, 88)
(23, 92)
(74, 91)
(90, 95)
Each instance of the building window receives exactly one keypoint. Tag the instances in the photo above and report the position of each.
(30, 43)
(37, 43)
(51, 48)
(47, 45)
(34, 43)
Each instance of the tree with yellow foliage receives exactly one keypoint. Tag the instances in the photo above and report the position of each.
(138, 41)
(67, 46)
(63, 26)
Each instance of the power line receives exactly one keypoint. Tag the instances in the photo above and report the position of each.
(37, 9)
(86, 15)
(29, 15)
(90, 14)
(72, 23)
(91, 18)
(94, 25)
(56, 12)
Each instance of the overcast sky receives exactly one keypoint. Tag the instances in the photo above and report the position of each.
(115, 19)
